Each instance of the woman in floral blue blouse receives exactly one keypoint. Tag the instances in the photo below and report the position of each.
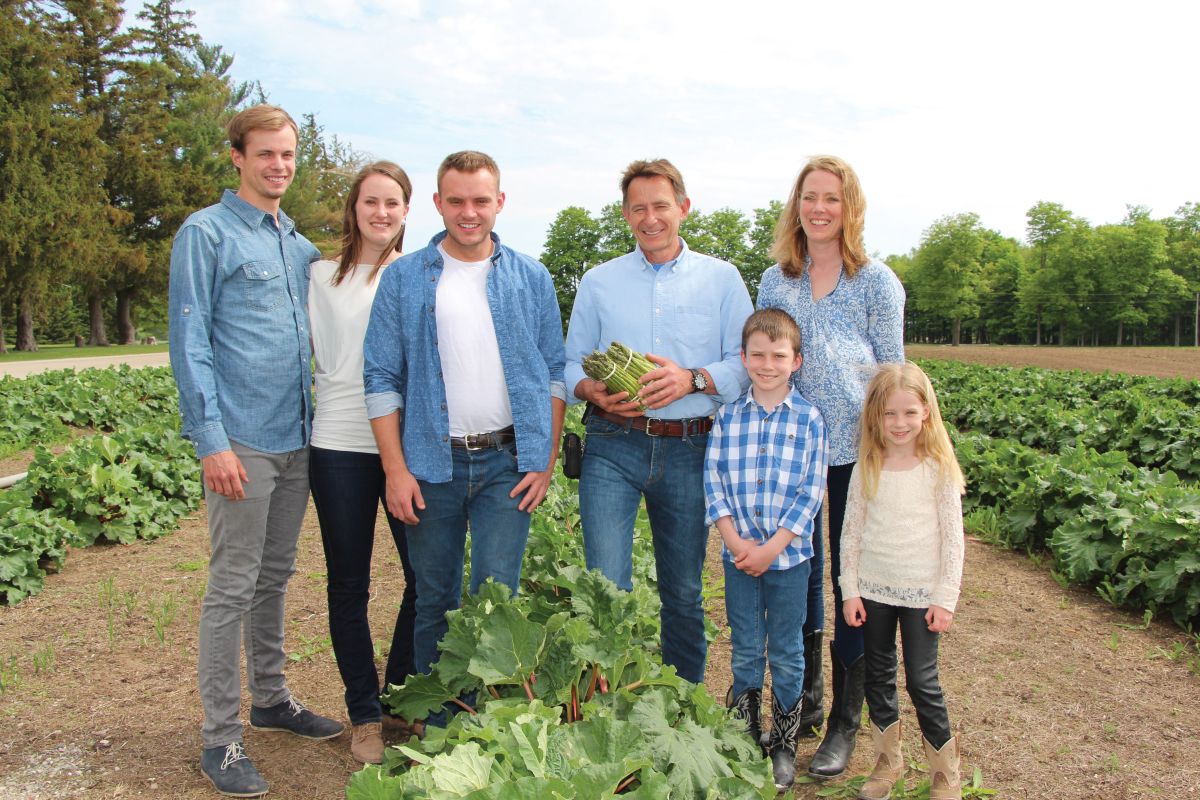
(850, 310)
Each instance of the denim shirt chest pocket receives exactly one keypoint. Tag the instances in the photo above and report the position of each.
(262, 284)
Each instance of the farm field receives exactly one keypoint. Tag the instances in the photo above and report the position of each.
(1158, 362)
(1053, 692)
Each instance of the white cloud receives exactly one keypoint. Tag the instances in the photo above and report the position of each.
(942, 107)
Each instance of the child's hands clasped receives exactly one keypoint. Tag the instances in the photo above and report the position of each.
(854, 612)
(755, 559)
(939, 619)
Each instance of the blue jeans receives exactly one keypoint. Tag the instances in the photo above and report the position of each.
(348, 489)
(477, 495)
(619, 466)
(767, 614)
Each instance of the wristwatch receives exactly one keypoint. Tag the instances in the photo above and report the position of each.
(699, 382)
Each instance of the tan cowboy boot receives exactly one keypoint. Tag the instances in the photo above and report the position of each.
(944, 780)
(889, 763)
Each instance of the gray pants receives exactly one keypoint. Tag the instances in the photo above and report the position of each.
(253, 556)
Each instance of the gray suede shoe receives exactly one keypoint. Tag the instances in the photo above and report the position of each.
(294, 718)
(231, 771)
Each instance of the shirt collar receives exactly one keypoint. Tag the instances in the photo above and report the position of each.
(789, 400)
(683, 251)
(253, 215)
(438, 237)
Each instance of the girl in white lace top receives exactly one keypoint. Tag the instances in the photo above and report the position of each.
(901, 566)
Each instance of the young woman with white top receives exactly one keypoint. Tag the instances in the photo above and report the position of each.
(346, 475)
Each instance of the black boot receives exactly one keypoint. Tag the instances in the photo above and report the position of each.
(845, 714)
(813, 696)
(781, 744)
(747, 706)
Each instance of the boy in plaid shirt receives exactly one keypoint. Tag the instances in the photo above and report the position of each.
(764, 480)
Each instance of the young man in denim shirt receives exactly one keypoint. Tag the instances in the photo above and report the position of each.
(685, 311)
(240, 354)
(463, 377)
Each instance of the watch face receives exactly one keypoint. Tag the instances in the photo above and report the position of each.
(698, 380)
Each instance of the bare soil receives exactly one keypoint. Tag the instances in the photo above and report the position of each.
(1158, 362)
(1052, 693)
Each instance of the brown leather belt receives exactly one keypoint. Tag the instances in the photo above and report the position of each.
(658, 427)
(482, 441)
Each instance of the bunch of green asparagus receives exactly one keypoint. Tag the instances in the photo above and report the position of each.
(619, 368)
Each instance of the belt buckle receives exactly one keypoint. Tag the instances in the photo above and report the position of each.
(651, 423)
(471, 442)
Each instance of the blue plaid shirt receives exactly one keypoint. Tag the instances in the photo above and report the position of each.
(767, 471)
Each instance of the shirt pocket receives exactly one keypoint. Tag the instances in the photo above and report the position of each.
(698, 332)
(262, 284)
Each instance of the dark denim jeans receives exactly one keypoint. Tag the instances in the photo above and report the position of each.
(847, 641)
(619, 466)
(348, 488)
(478, 496)
(920, 669)
(767, 614)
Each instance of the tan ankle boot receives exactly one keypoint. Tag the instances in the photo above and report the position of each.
(366, 742)
(944, 780)
(889, 763)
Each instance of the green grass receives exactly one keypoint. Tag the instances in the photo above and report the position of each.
(47, 351)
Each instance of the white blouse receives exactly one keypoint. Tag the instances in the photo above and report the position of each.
(338, 317)
(904, 546)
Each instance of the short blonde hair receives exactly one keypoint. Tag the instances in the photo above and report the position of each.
(658, 168)
(468, 161)
(791, 243)
(261, 117)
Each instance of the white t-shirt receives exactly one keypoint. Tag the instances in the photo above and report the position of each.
(476, 391)
(338, 316)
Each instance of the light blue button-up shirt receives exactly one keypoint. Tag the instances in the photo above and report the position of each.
(238, 322)
(691, 311)
(402, 367)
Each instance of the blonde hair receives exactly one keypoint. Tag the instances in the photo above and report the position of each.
(933, 444)
(352, 236)
(791, 243)
(263, 116)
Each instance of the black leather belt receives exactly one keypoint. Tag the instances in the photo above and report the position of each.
(658, 427)
(482, 441)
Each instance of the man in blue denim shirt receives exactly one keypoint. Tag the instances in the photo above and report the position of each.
(464, 352)
(686, 311)
(239, 346)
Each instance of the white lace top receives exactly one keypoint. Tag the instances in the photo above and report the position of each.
(904, 546)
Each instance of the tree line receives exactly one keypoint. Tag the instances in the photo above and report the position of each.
(110, 135)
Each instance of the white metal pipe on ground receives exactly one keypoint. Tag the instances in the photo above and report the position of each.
(11, 479)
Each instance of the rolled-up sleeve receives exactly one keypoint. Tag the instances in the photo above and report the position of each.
(550, 339)
(190, 297)
(728, 374)
(384, 368)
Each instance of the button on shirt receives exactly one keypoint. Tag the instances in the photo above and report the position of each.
(690, 310)
(767, 471)
(402, 367)
(238, 322)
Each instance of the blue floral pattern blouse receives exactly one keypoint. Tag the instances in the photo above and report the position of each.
(844, 336)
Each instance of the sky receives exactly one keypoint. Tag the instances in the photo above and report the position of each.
(941, 108)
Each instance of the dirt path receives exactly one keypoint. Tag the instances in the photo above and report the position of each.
(21, 369)
(1051, 696)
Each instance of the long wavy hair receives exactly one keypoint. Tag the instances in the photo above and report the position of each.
(934, 442)
(791, 243)
(352, 236)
